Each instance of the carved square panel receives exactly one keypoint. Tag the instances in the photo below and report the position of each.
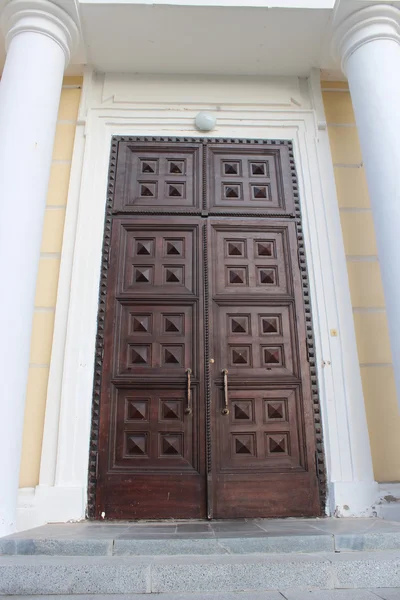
(139, 355)
(260, 192)
(243, 445)
(270, 325)
(173, 247)
(147, 189)
(277, 444)
(231, 167)
(172, 355)
(272, 356)
(137, 409)
(136, 444)
(237, 276)
(275, 410)
(143, 274)
(258, 169)
(175, 190)
(242, 410)
(173, 275)
(265, 248)
(170, 410)
(232, 191)
(148, 166)
(267, 276)
(239, 324)
(173, 324)
(235, 248)
(171, 444)
(176, 167)
(144, 247)
(140, 323)
(240, 356)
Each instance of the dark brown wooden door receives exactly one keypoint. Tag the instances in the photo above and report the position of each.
(206, 406)
(151, 453)
(262, 422)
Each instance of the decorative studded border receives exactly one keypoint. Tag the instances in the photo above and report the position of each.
(93, 452)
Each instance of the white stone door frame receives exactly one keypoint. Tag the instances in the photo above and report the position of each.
(61, 494)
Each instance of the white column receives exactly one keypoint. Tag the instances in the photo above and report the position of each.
(368, 44)
(39, 38)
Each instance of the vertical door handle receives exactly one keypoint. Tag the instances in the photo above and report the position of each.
(188, 409)
(225, 410)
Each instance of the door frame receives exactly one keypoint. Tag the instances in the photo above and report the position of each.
(61, 494)
(122, 216)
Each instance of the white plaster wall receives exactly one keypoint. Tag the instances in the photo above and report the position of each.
(280, 108)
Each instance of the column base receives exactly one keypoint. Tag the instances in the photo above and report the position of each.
(47, 504)
(353, 499)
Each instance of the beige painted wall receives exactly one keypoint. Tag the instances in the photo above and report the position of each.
(47, 282)
(365, 283)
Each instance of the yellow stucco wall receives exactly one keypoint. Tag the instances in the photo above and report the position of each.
(47, 282)
(365, 283)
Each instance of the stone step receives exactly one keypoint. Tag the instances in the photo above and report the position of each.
(46, 575)
(390, 511)
(199, 538)
(339, 594)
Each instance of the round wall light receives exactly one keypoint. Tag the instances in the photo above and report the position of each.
(205, 121)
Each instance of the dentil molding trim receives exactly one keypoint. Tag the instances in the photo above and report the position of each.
(378, 22)
(40, 16)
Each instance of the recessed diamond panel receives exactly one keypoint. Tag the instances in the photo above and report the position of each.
(277, 444)
(243, 445)
(272, 356)
(171, 410)
(260, 192)
(175, 190)
(240, 356)
(239, 324)
(173, 247)
(144, 247)
(140, 356)
(137, 410)
(176, 167)
(270, 325)
(232, 191)
(266, 249)
(172, 355)
(147, 189)
(140, 323)
(173, 275)
(173, 324)
(137, 445)
(231, 167)
(237, 276)
(149, 167)
(267, 276)
(242, 410)
(275, 410)
(259, 169)
(171, 444)
(235, 248)
(142, 274)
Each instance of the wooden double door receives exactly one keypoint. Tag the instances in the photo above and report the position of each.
(206, 405)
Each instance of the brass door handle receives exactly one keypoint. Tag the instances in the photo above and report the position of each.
(188, 409)
(225, 410)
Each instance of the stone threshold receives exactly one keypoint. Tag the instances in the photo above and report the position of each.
(202, 538)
